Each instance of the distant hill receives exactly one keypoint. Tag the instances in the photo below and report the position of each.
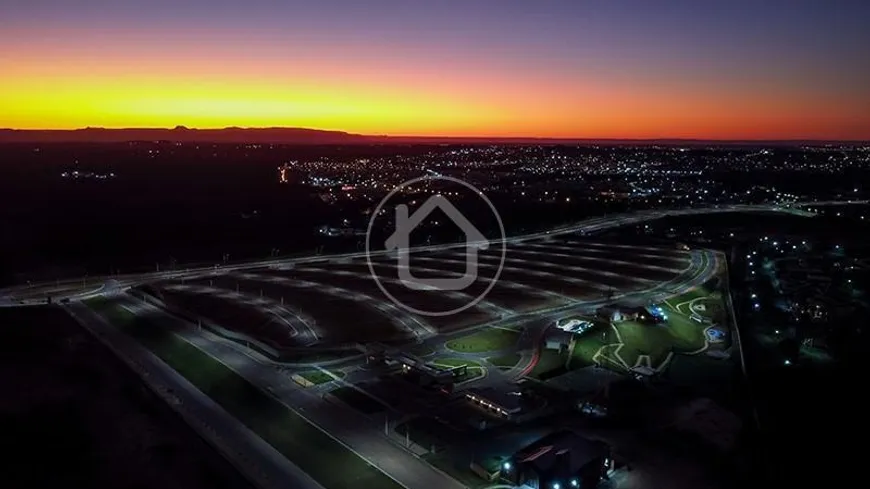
(294, 135)
(266, 135)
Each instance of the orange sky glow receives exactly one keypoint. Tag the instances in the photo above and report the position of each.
(88, 82)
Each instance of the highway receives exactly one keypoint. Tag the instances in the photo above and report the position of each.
(253, 457)
(342, 423)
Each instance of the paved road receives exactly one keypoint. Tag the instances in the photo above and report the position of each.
(346, 425)
(252, 456)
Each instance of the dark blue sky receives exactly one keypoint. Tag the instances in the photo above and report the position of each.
(809, 48)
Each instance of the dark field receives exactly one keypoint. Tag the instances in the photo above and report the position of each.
(73, 415)
(236, 316)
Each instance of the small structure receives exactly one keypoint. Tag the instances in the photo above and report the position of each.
(574, 325)
(427, 375)
(506, 404)
(557, 339)
(561, 460)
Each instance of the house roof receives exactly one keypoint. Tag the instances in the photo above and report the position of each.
(509, 400)
(562, 453)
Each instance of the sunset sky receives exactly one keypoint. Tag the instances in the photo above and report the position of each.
(739, 69)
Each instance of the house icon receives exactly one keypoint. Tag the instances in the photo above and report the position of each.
(401, 237)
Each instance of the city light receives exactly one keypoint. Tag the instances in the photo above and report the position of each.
(506, 466)
(575, 483)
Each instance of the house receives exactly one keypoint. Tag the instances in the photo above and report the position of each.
(557, 339)
(400, 241)
(561, 460)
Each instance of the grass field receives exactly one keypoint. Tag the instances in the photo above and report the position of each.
(505, 361)
(628, 344)
(302, 443)
(316, 377)
(474, 370)
(490, 339)
(550, 363)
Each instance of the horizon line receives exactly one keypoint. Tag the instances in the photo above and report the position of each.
(182, 127)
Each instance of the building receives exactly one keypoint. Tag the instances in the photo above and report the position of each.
(506, 404)
(650, 314)
(428, 375)
(561, 460)
(557, 339)
(413, 368)
(573, 324)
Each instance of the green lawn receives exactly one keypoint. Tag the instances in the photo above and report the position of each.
(550, 363)
(317, 377)
(711, 307)
(490, 339)
(627, 344)
(505, 361)
(305, 445)
(97, 302)
(474, 370)
(588, 345)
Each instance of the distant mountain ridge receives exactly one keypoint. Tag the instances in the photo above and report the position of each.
(296, 135)
(262, 135)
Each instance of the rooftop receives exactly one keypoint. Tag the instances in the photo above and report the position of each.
(562, 452)
(507, 400)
